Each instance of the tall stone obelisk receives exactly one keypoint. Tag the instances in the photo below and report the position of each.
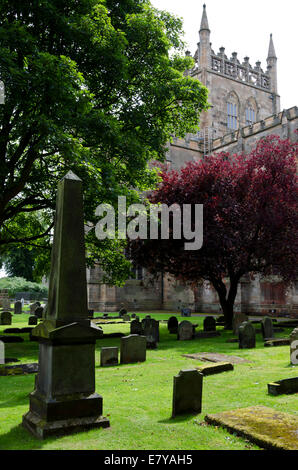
(64, 399)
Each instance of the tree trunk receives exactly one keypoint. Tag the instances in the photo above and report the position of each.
(227, 299)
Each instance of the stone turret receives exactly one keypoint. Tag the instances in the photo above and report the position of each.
(272, 72)
(204, 44)
(272, 65)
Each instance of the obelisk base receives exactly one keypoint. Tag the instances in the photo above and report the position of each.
(41, 429)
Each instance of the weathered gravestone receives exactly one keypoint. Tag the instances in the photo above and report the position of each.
(122, 312)
(18, 307)
(38, 312)
(109, 356)
(133, 315)
(185, 330)
(267, 328)
(173, 325)
(136, 327)
(186, 312)
(187, 392)
(237, 320)
(33, 307)
(32, 320)
(2, 353)
(220, 320)
(209, 324)
(132, 349)
(247, 336)
(150, 329)
(5, 318)
(126, 317)
(64, 399)
(284, 386)
(294, 346)
(6, 304)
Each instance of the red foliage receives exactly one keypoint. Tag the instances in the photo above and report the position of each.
(250, 219)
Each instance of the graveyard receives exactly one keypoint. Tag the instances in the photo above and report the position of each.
(97, 100)
(137, 397)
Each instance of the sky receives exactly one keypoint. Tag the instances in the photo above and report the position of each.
(244, 27)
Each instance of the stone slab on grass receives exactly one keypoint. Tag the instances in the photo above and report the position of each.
(216, 357)
(277, 342)
(265, 427)
(284, 386)
(215, 368)
(20, 369)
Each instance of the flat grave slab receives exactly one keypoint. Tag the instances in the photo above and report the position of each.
(285, 386)
(215, 368)
(277, 342)
(266, 427)
(19, 369)
(216, 357)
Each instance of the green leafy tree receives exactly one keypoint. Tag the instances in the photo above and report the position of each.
(94, 86)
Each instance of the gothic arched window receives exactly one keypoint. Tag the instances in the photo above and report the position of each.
(232, 111)
(232, 121)
(250, 112)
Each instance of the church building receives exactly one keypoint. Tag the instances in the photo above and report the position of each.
(245, 106)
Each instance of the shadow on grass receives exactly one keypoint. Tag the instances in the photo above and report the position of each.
(179, 419)
(19, 438)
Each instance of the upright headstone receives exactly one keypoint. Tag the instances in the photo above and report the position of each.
(173, 325)
(267, 328)
(209, 324)
(237, 320)
(136, 327)
(126, 317)
(132, 349)
(186, 312)
(6, 303)
(185, 331)
(247, 336)
(5, 318)
(151, 331)
(122, 312)
(38, 312)
(18, 307)
(187, 392)
(33, 307)
(64, 399)
(109, 356)
(32, 320)
(2, 352)
(294, 346)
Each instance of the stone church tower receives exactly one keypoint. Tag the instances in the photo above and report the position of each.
(239, 93)
(245, 106)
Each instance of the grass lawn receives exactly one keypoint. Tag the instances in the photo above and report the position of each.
(137, 398)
